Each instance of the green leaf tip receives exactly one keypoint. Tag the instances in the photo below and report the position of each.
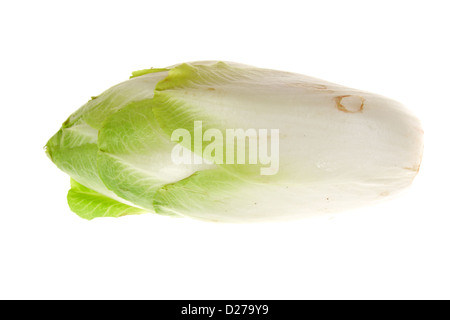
(89, 204)
(139, 73)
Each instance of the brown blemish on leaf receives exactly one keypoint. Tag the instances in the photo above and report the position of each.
(350, 103)
(211, 89)
(414, 168)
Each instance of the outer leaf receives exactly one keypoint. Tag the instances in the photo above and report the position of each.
(95, 111)
(90, 204)
(339, 147)
(146, 71)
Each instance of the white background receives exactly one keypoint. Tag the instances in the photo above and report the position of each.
(55, 55)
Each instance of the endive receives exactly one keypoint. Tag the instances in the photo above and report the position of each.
(338, 148)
